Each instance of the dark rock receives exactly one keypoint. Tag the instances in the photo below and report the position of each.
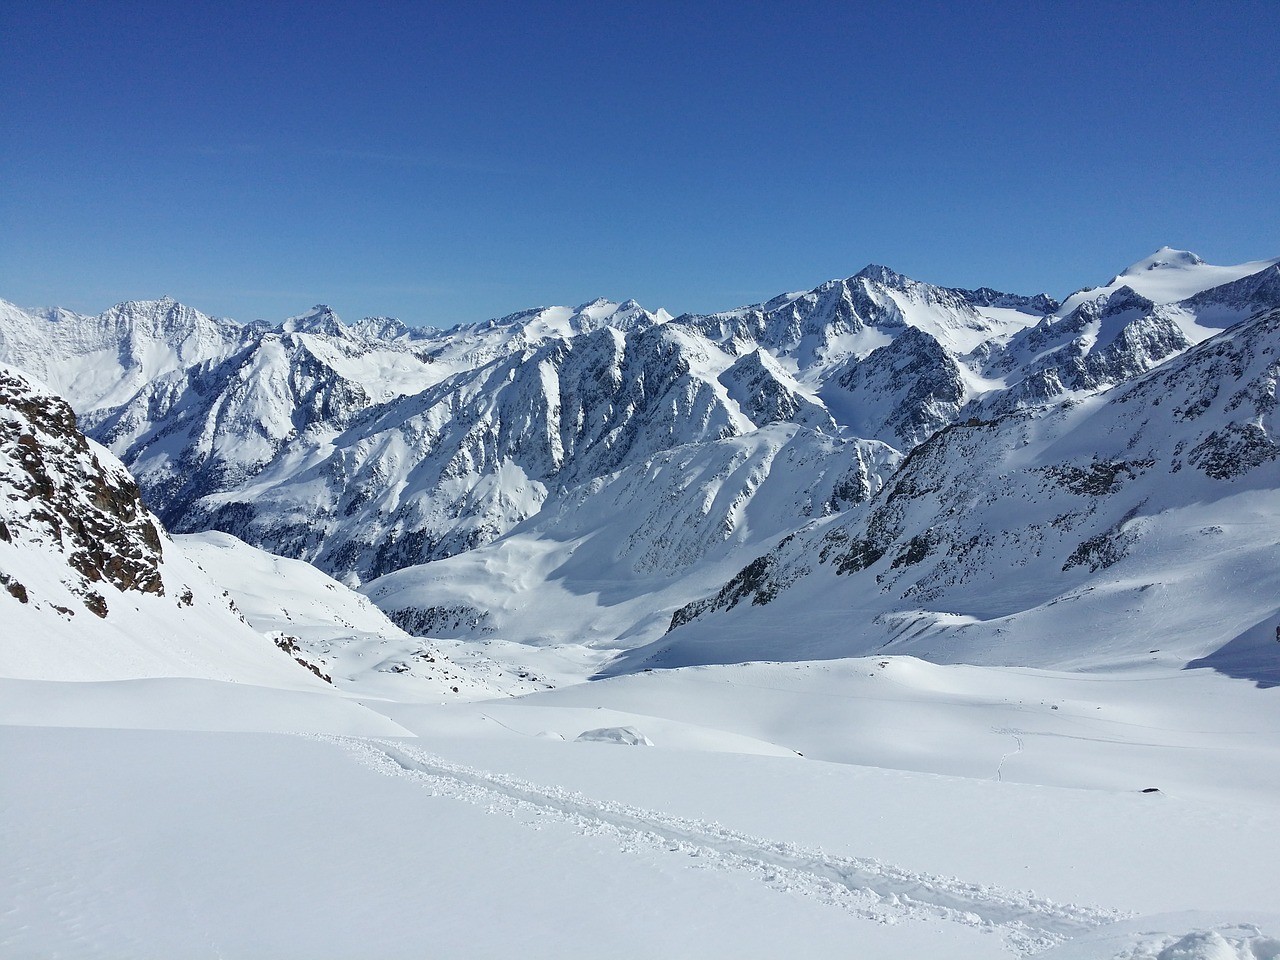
(62, 492)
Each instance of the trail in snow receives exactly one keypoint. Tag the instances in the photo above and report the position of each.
(869, 888)
(1017, 737)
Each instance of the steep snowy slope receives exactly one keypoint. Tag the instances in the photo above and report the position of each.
(339, 631)
(1100, 337)
(891, 358)
(217, 425)
(462, 462)
(901, 393)
(815, 331)
(605, 563)
(101, 361)
(1141, 523)
(92, 587)
(468, 346)
(1167, 276)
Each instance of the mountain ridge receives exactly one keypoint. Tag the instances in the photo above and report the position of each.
(372, 450)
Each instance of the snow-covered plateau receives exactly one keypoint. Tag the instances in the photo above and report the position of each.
(882, 620)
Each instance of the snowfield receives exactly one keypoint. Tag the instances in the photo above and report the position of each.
(148, 817)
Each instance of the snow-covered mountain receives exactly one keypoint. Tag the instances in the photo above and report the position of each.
(101, 361)
(604, 451)
(1151, 311)
(1170, 276)
(822, 328)
(364, 489)
(932, 568)
(606, 561)
(1139, 523)
(93, 587)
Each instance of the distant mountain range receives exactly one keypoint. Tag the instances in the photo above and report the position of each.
(877, 463)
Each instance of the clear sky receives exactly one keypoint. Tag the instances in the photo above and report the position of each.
(447, 162)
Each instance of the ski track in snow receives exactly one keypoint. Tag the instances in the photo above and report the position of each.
(868, 888)
(1017, 736)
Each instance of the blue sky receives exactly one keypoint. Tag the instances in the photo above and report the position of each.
(450, 162)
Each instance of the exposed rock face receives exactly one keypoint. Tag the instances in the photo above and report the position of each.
(58, 490)
(902, 393)
(1040, 305)
(1100, 343)
(91, 586)
(766, 394)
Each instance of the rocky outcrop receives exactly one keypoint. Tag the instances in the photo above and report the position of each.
(58, 490)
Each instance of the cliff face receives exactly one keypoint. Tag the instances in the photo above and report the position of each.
(62, 492)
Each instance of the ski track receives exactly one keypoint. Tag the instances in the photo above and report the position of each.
(1017, 737)
(868, 888)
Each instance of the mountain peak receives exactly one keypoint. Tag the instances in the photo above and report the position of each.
(319, 319)
(881, 274)
(381, 328)
(160, 303)
(1164, 259)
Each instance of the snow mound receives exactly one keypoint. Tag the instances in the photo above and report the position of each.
(1168, 937)
(1211, 945)
(629, 736)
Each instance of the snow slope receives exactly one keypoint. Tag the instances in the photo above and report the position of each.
(102, 361)
(606, 563)
(93, 588)
(341, 632)
(1141, 522)
(1167, 276)
(505, 839)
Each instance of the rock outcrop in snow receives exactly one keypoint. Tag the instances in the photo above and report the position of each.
(65, 495)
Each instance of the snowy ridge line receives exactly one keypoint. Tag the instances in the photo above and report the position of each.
(869, 888)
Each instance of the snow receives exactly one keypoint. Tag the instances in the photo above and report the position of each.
(180, 703)
(626, 736)
(1167, 276)
(1208, 936)
(330, 858)
(341, 632)
(1010, 692)
(1053, 728)
(133, 828)
(138, 608)
(142, 635)
(605, 564)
